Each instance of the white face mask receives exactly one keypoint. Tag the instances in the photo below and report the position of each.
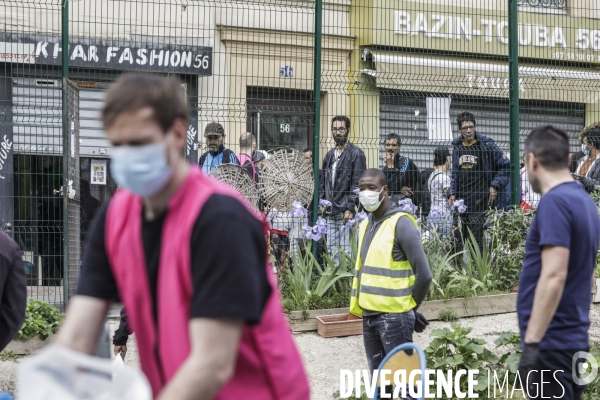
(143, 170)
(370, 199)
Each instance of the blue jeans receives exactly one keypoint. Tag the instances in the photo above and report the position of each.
(383, 332)
(338, 238)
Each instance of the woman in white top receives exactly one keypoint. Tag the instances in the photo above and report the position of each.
(440, 216)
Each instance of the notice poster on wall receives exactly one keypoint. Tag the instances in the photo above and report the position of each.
(98, 172)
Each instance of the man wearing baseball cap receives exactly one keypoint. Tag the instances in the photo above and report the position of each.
(217, 153)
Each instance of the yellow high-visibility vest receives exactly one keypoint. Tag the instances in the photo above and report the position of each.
(385, 285)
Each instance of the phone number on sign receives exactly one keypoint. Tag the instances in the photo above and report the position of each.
(561, 55)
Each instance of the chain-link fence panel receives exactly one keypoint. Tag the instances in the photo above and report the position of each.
(419, 90)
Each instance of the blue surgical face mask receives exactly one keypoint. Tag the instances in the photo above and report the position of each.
(585, 150)
(143, 170)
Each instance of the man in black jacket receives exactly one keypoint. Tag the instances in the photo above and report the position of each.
(480, 170)
(13, 290)
(342, 166)
(401, 172)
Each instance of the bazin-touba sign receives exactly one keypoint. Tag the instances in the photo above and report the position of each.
(173, 58)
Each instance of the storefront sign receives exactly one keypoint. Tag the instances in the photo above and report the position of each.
(124, 56)
(483, 31)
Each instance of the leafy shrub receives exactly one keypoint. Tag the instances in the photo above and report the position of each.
(592, 390)
(448, 315)
(40, 319)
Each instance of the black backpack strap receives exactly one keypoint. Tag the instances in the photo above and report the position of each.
(227, 156)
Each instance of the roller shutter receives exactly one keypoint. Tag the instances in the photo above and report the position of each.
(405, 113)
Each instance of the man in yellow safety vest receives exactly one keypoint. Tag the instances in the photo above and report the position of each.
(391, 276)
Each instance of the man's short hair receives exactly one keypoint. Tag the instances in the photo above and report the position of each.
(440, 155)
(306, 150)
(214, 128)
(592, 134)
(465, 116)
(375, 173)
(394, 136)
(134, 92)
(343, 118)
(550, 146)
(246, 139)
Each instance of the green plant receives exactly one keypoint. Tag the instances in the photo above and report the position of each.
(451, 349)
(448, 315)
(510, 359)
(477, 264)
(302, 282)
(41, 319)
(592, 390)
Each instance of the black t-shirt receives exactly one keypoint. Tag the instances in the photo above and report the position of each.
(472, 185)
(228, 258)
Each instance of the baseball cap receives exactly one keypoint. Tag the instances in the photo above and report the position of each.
(214, 128)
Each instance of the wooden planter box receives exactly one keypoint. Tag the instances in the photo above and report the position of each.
(470, 307)
(339, 325)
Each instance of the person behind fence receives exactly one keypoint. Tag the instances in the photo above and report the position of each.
(247, 149)
(342, 166)
(553, 304)
(217, 153)
(479, 171)
(440, 216)
(281, 223)
(401, 172)
(588, 167)
(392, 275)
(13, 290)
(208, 320)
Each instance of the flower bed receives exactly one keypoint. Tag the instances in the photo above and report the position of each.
(306, 321)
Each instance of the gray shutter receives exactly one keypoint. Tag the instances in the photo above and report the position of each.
(397, 115)
(37, 116)
(93, 139)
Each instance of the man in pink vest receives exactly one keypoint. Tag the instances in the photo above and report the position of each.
(187, 259)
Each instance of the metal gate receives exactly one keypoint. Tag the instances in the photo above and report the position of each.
(405, 114)
(71, 189)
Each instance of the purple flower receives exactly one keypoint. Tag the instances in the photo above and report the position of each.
(350, 224)
(298, 210)
(407, 206)
(435, 213)
(460, 206)
(360, 216)
(316, 237)
(324, 203)
(321, 227)
(418, 220)
(306, 231)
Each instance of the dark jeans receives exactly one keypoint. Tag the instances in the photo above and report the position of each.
(469, 221)
(382, 333)
(555, 360)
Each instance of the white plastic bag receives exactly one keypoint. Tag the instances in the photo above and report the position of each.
(118, 365)
(58, 373)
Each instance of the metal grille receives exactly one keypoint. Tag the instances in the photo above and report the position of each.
(282, 70)
(71, 188)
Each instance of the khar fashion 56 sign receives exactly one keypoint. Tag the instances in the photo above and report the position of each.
(123, 56)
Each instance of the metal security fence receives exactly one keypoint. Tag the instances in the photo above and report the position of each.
(282, 70)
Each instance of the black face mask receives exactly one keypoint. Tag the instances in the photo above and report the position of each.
(340, 140)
